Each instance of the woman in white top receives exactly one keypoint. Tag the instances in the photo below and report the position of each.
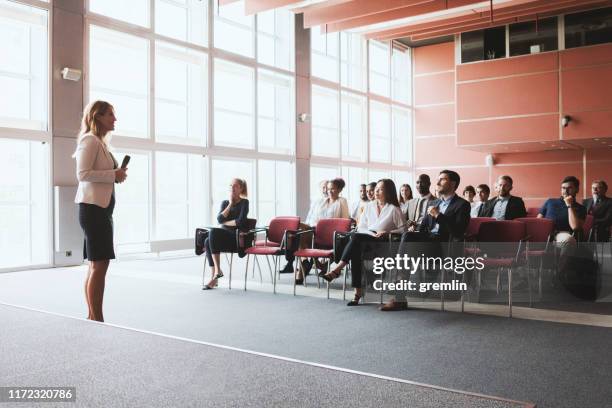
(97, 173)
(333, 206)
(405, 196)
(379, 218)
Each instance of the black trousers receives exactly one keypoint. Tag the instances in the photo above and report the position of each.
(416, 244)
(219, 240)
(354, 253)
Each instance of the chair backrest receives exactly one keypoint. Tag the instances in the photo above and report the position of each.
(278, 226)
(586, 227)
(324, 231)
(501, 231)
(250, 224)
(474, 225)
(532, 212)
(538, 229)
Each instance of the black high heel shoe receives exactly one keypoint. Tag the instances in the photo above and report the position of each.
(355, 301)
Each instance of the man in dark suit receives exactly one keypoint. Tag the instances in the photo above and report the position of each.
(504, 206)
(446, 220)
(600, 207)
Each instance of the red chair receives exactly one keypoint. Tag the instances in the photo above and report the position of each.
(274, 244)
(471, 233)
(532, 212)
(324, 242)
(539, 236)
(500, 243)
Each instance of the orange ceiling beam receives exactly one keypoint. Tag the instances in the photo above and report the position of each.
(537, 7)
(353, 9)
(411, 11)
(258, 6)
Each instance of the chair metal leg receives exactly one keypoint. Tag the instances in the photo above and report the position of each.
(230, 274)
(297, 261)
(498, 279)
(463, 293)
(246, 271)
(509, 292)
(274, 275)
(540, 279)
(270, 268)
(344, 283)
(204, 273)
(328, 266)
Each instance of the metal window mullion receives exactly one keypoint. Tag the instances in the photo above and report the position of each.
(561, 32)
(153, 196)
(211, 76)
(254, 120)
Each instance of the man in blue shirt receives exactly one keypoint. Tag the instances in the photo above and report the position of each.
(566, 213)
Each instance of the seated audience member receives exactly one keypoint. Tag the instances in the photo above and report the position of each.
(600, 207)
(360, 204)
(370, 190)
(418, 205)
(333, 206)
(482, 191)
(378, 219)
(504, 206)
(405, 195)
(312, 211)
(567, 215)
(469, 192)
(447, 220)
(232, 215)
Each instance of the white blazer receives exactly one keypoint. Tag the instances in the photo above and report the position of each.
(95, 172)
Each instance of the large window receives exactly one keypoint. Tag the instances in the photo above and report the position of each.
(24, 203)
(380, 81)
(354, 130)
(324, 58)
(180, 194)
(533, 36)
(184, 20)
(275, 190)
(380, 132)
(353, 49)
(25, 182)
(275, 38)
(588, 28)
(23, 67)
(275, 112)
(325, 123)
(234, 104)
(234, 30)
(194, 111)
(180, 95)
(118, 72)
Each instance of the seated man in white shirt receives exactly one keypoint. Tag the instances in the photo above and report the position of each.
(417, 208)
(360, 204)
(482, 192)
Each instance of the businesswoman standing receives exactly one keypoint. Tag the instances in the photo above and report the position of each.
(97, 173)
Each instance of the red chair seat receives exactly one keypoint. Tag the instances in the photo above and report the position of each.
(497, 262)
(262, 242)
(472, 251)
(263, 250)
(314, 253)
(536, 252)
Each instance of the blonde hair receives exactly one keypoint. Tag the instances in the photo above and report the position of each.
(89, 124)
(243, 186)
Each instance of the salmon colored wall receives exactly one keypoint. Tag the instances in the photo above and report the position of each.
(463, 104)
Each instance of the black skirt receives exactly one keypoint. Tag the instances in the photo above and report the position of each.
(97, 225)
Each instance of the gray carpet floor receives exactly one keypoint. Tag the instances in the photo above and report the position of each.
(114, 367)
(551, 364)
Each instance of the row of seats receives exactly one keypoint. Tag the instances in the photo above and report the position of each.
(281, 237)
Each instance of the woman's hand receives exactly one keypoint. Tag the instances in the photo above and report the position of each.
(380, 234)
(120, 175)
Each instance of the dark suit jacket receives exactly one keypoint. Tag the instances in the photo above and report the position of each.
(514, 209)
(453, 223)
(602, 216)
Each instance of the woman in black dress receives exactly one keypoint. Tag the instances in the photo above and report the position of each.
(97, 173)
(232, 215)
